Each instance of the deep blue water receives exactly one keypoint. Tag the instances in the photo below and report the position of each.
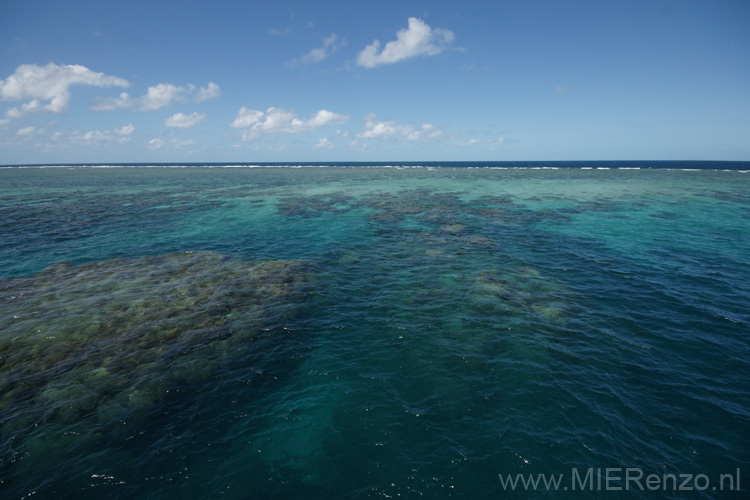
(358, 331)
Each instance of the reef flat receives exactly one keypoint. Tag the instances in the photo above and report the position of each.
(96, 344)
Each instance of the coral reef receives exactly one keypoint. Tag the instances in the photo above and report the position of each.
(101, 340)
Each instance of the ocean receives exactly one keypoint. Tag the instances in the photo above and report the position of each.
(377, 330)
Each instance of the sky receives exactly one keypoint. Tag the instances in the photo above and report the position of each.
(248, 81)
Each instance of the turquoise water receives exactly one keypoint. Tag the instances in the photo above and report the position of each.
(370, 332)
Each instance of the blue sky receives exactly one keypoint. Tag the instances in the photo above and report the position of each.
(145, 81)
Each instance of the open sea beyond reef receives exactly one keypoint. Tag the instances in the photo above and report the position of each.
(375, 330)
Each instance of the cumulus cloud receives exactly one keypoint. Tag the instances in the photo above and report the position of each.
(206, 93)
(417, 40)
(23, 109)
(48, 87)
(184, 121)
(157, 97)
(331, 44)
(281, 120)
(319, 119)
(125, 130)
(160, 96)
(247, 118)
(375, 129)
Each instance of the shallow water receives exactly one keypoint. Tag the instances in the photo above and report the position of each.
(367, 332)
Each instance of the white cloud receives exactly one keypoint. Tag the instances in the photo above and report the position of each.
(247, 118)
(155, 144)
(120, 135)
(50, 83)
(375, 129)
(157, 97)
(489, 143)
(330, 142)
(206, 93)
(278, 120)
(184, 121)
(419, 39)
(26, 131)
(314, 56)
(324, 143)
(160, 96)
(562, 88)
(23, 109)
(96, 135)
(125, 130)
(319, 119)
(281, 120)
(110, 103)
(331, 44)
